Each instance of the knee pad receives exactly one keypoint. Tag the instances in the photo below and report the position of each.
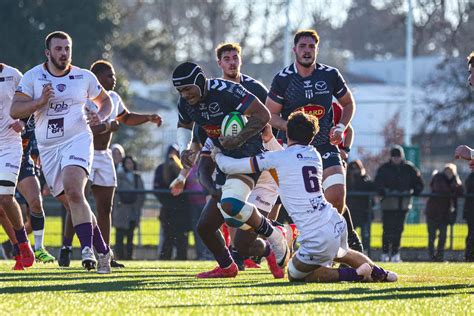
(333, 180)
(295, 273)
(235, 193)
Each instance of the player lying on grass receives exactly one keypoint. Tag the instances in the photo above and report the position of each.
(322, 230)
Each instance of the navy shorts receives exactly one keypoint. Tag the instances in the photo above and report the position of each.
(27, 169)
(330, 155)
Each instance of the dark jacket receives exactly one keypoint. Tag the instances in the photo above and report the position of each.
(402, 178)
(469, 202)
(128, 206)
(359, 183)
(442, 209)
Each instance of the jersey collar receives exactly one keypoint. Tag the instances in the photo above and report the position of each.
(45, 66)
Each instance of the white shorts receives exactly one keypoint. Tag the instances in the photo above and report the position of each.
(265, 193)
(10, 162)
(103, 169)
(76, 152)
(328, 242)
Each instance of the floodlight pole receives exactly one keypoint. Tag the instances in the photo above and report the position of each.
(409, 76)
(286, 50)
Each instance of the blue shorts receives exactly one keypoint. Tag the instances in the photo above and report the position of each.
(330, 155)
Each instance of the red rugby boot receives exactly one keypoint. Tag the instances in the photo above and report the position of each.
(18, 265)
(27, 254)
(218, 272)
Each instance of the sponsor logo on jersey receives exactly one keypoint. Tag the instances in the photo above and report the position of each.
(212, 131)
(72, 157)
(214, 107)
(76, 77)
(59, 107)
(239, 91)
(313, 109)
(261, 200)
(339, 228)
(317, 204)
(9, 78)
(55, 128)
(61, 87)
(303, 158)
(329, 154)
(10, 165)
(321, 85)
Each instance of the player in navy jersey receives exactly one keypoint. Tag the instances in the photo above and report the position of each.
(310, 87)
(206, 102)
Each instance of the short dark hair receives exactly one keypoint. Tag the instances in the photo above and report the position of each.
(56, 34)
(227, 47)
(302, 127)
(100, 66)
(306, 33)
(470, 59)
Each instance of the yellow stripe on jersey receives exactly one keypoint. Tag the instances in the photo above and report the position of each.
(274, 175)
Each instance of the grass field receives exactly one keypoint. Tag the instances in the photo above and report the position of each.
(414, 236)
(170, 288)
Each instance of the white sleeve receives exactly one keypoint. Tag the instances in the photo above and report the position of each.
(120, 105)
(208, 147)
(94, 88)
(255, 164)
(18, 75)
(26, 85)
(273, 145)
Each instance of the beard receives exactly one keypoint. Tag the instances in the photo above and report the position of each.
(60, 64)
(306, 64)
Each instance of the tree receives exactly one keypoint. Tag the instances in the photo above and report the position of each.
(25, 24)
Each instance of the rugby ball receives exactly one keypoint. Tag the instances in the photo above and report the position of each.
(233, 123)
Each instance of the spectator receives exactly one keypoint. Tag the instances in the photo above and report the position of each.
(127, 207)
(175, 215)
(397, 176)
(118, 153)
(441, 211)
(469, 217)
(360, 206)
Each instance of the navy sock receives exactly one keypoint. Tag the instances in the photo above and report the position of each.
(67, 242)
(224, 260)
(84, 233)
(264, 229)
(16, 250)
(37, 221)
(349, 274)
(378, 274)
(21, 235)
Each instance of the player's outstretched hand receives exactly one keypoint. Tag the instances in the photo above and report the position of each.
(187, 158)
(46, 95)
(92, 118)
(267, 133)
(177, 186)
(344, 154)
(18, 126)
(463, 152)
(230, 142)
(155, 119)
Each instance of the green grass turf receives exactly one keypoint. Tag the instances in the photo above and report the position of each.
(414, 235)
(171, 288)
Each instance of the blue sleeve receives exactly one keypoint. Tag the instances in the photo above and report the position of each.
(340, 87)
(277, 91)
(184, 117)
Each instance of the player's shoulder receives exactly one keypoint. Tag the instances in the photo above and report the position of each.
(78, 71)
(11, 71)
(36, 71)
(114, 95)
(286, 73)
(222, 86)
(252, 84)
(328, 69)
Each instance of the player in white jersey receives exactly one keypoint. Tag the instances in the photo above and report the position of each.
(103, 176)
(323, 231)
(10, 159)
(56, 93)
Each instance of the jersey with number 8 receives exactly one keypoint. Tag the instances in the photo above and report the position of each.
(63, 118)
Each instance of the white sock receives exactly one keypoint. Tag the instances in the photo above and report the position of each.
(39, 238)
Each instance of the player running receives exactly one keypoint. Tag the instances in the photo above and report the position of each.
(56, 93)
(310, 86)
(207, 102)
(10, 160)
(323, 231)
(103, 175)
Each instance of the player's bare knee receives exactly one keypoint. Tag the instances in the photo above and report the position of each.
(5, 199)
(74, 195)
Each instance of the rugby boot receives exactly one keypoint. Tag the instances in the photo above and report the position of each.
(65, 256)
(7, 250)
(280, 246)
(218, 272)
(115, 264)
(238, 259)
(365, 271)
(354, 241)
(277, 272)
(381, 275)
(42, 255)
(291, 235)
(103, 264)
(26, 253)
(88, 259)
(251, 264)
(18, 265)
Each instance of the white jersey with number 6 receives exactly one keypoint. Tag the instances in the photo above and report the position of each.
(63, 118)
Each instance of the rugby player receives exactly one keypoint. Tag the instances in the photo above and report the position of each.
(56, 92)
(206, 103)
(310, 86)
(323, 231)
(10, 160)
(103, 175)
